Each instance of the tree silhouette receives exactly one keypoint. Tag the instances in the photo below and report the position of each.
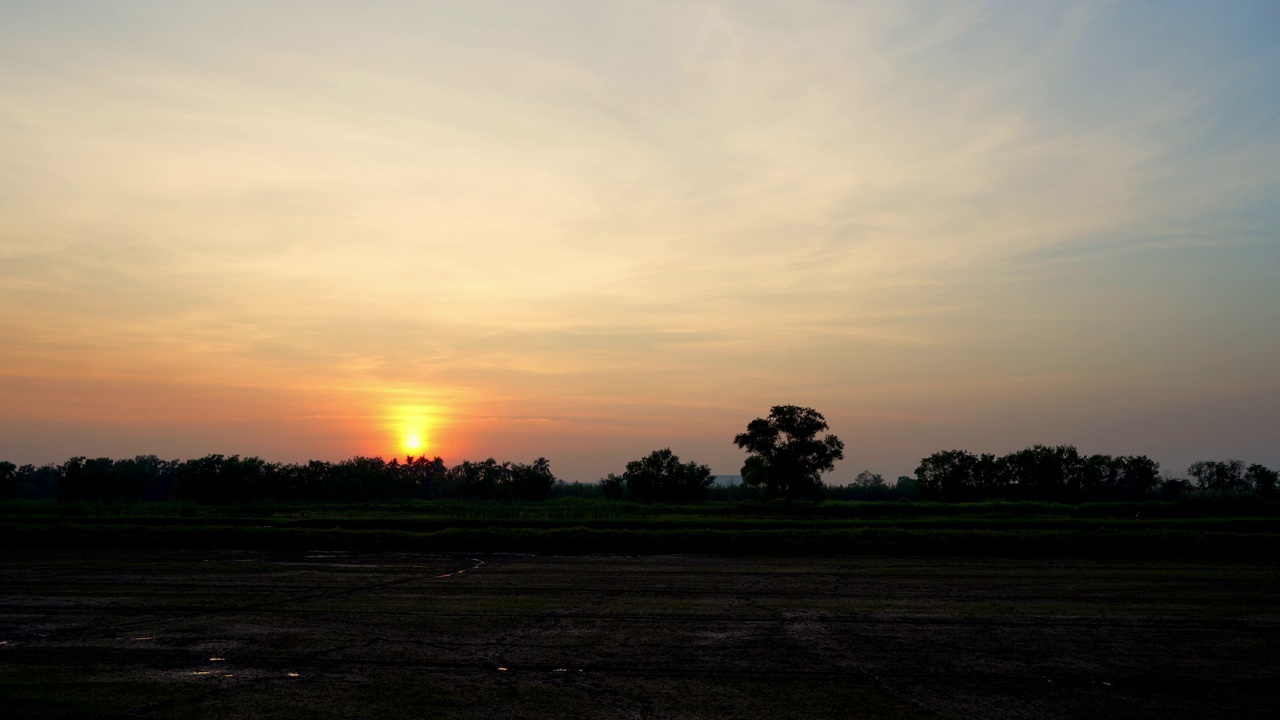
(529, 482)
(948, 476)
(1262, 479)
(1222, 476)
(489, 480)
(8, 480)
(868, 479)
(787, 458)
(661, 477)
(1044, 473)
(1039, 473)
(613, 486)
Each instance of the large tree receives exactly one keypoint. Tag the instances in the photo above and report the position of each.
(787, 457)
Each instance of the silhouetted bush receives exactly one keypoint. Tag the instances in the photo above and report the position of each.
(661, 477)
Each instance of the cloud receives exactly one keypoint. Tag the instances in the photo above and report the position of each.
(557, 210)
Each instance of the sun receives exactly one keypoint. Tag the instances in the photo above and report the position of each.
(412, 427)
(413, 437)
(413, 442)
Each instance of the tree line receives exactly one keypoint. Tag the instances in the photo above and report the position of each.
(231, 479)
(1062, 474)
(787, 454)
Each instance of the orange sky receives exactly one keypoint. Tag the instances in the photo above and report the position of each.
(586, 231)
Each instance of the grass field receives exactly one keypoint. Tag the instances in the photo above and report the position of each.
(333, 634)
(1204, 530)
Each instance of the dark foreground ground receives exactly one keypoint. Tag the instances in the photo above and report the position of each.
(160, 634)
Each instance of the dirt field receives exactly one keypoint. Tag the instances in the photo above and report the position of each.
(322, 634)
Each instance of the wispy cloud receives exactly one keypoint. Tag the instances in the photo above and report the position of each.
(606, 215)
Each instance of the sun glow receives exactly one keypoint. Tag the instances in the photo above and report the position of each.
(411, 426)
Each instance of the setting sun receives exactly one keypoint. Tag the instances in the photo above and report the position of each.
(412, 427)
(413, 442)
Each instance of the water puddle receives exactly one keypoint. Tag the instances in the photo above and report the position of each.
(478, 562)
(554, 671)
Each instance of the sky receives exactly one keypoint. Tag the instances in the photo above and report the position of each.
(588, 230)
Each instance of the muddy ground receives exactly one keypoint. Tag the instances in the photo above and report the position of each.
(161, 634)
